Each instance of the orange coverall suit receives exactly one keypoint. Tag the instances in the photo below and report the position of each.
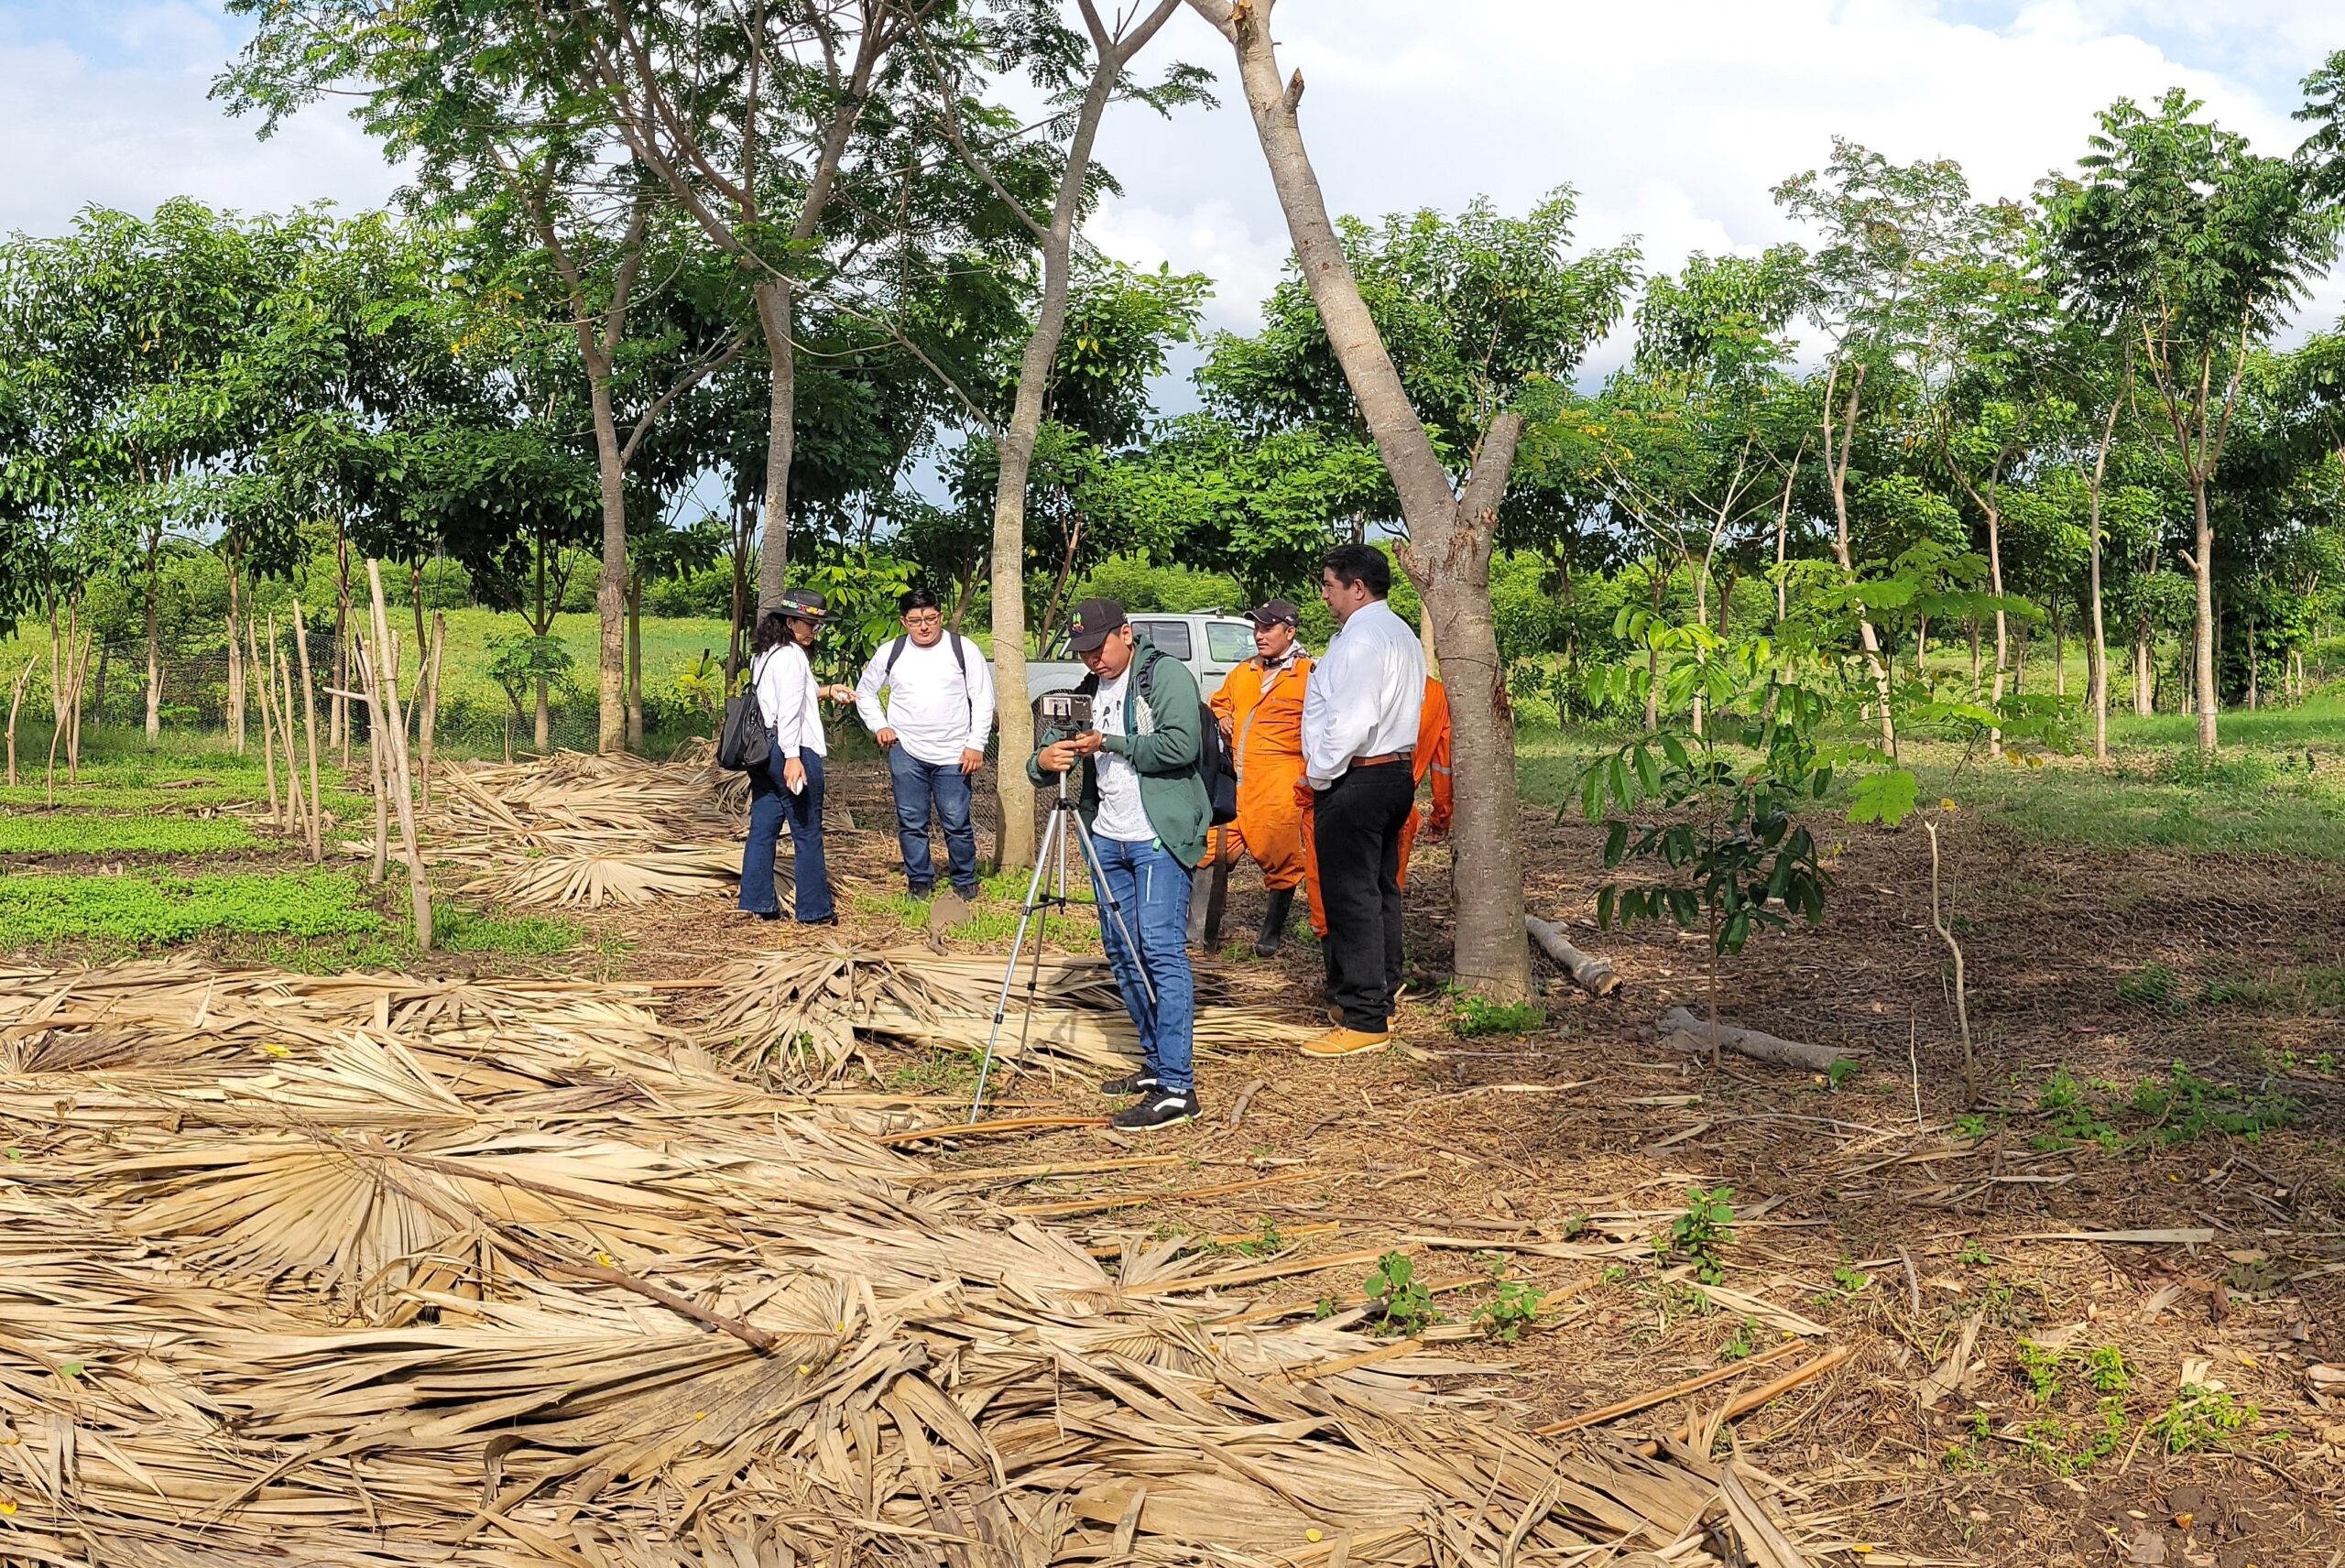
(1264, 709)
(1430, 759)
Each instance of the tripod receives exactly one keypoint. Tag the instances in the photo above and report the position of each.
(1065, 822)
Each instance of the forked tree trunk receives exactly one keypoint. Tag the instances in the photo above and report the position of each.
(1014, 845)
(1447, 555)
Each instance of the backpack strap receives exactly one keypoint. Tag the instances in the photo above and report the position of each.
(960, 663)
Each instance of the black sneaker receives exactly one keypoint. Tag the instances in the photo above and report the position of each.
(1139, 1083)
(1163, 1108)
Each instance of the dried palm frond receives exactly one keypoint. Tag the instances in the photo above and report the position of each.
(535, 1243)
(801, 1011)
(592, 878)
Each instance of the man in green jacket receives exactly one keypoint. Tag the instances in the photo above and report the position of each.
(1147, 811)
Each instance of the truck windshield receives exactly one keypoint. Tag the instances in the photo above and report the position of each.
(1229, 643)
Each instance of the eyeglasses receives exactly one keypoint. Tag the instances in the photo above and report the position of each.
(924, 618)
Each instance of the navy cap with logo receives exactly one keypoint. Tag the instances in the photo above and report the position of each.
(804, 604)
(1275, 612)
(1093, 619)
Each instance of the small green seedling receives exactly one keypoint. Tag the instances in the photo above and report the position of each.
(1406, 1303)
(1696, 1235)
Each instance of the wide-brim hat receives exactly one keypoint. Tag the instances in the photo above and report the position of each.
(804, 604)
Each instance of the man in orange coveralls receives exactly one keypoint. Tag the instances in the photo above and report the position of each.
(1431, 761)
(1260, 706)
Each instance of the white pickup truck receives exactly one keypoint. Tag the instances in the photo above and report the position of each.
(1209, 643)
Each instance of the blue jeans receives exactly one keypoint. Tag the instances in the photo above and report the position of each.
(918, 785)
(770, 805)
(1151, 886)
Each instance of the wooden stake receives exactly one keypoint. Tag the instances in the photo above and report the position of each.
(432, 698)
(268, 735)
(402, 785)
(280, 686)
(364, 660)
(310, 732)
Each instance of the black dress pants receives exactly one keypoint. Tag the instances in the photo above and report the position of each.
(1356, 831)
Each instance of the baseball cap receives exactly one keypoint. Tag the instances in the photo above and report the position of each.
(1093, 619)
(1275, 611)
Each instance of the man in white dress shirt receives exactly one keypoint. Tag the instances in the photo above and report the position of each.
(1359, 728)
(934, 729)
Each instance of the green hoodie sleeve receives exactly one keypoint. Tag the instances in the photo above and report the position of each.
(1172, 747)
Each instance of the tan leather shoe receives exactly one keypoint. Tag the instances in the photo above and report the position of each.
(1340, 1041)
(1335, 1017)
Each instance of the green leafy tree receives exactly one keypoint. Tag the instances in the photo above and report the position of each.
(2196, 247)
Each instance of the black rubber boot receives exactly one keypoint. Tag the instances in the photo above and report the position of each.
(1200, 900)
(1273, 936)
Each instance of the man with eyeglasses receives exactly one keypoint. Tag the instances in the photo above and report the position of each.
(940, 704)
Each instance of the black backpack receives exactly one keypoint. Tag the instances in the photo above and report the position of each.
(1215, 770)
(744, 743)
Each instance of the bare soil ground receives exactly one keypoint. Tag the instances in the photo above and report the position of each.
(1889, 1227)
(1890, 1230)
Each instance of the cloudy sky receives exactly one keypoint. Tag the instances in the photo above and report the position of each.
(1671, 117)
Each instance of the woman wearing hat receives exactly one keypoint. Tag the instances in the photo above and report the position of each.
(790, 787)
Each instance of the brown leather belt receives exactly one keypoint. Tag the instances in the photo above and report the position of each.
(1387, 759)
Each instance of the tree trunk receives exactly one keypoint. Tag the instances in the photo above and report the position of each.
(1014, 449)
(235, 662)
(742, 525)
(2002, 626)
(154, 644)
(2059, 652)
(341, 721)
(775, 310)
(1870, 639)
(1974, 659)
(2144, 676)
(2203, 640)
(2254, 688)
(1653, 662)
(610, 593)
(2100, 672)
(1450, 537)
(635, 661)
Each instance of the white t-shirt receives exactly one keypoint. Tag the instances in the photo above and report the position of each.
(1122, 815)
(937, 709)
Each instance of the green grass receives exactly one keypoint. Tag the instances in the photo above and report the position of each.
(82, 834)
(455, 929)
(151, 910)
(993, 915)
(2275, 787)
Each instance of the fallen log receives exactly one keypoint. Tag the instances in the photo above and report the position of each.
(1589, 973)
(1681, 1030)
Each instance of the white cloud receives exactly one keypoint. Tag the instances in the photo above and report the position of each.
(1674, 118)
(115, 112)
